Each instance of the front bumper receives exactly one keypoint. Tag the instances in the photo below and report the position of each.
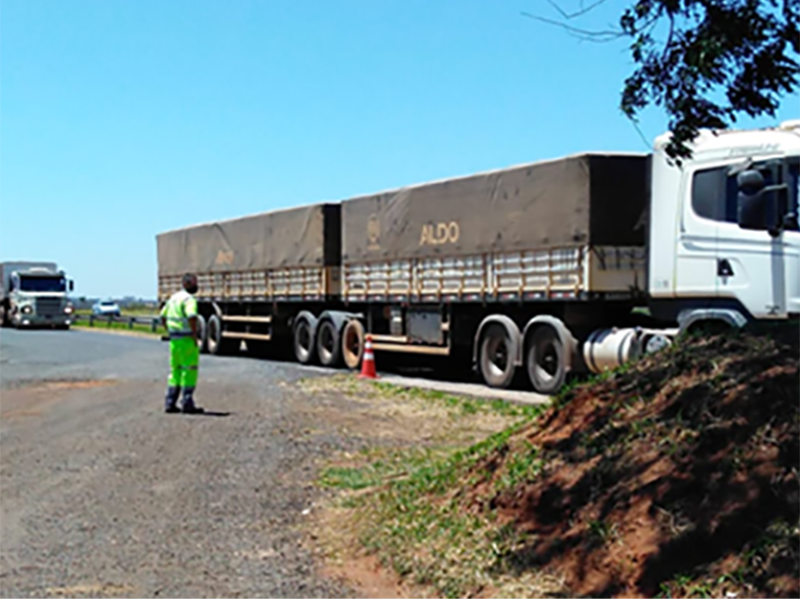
(37, 320)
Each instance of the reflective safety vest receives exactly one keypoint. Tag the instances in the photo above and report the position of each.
(180, 307)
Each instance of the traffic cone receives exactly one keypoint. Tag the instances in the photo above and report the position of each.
(368, 362)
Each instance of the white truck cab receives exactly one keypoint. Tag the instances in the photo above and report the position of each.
(34, 294)
(724, 241)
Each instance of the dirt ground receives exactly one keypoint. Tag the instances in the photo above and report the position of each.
(105, 495)
(380, 419)
(677, 477)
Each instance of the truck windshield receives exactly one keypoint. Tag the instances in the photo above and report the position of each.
(29, 283)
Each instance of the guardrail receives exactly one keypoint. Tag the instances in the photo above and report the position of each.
(108, 319)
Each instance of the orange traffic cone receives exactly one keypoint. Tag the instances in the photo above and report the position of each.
(368, 362)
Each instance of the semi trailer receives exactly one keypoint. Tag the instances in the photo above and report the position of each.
(530, 272)
(34, 294)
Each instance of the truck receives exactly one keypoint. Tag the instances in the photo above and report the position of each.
(526, 274)
(34, 294)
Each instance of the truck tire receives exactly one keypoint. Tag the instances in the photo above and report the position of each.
(303, 339)
(329, 344)
(495, 358)
(202, 329)
(544, 361)
(353, 343)
(217, 344)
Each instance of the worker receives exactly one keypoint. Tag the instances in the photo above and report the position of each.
(179, 317)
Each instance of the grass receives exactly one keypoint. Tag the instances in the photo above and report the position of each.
(386, 465)
(400, 502)
(421, 511)
(408, 516)
(134, 311)
(778, 542)
(435, 543)
(457, 405)
(100, 323)
(460, 404)
(524, 465)
(141, 328)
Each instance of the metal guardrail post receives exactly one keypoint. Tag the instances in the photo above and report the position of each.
(153, 324)
(91, 320)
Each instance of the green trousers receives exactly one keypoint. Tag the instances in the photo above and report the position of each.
(184, 358)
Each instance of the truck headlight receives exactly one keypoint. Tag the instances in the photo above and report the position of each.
(68, 310)
(27, 309)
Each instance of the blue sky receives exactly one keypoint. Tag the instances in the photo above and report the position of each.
(122, 119)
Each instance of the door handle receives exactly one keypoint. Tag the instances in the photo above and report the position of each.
(724, 268)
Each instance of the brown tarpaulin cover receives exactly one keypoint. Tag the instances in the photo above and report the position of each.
(587, 199)
(306, 236)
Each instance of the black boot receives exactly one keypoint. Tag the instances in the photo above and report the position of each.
(171, 400)
(188, 406)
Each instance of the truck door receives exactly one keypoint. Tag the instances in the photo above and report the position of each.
(696, 264)
(758, 267)
(791, 236)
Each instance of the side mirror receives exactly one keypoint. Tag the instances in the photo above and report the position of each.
(72, 285)
(759, 206)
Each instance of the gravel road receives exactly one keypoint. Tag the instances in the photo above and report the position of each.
(105, 495)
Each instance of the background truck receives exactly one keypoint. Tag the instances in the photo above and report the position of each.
(532, 272)
(34, 294)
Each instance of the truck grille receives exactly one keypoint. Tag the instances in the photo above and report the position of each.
(48, 306)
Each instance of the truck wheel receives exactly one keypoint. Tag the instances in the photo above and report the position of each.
(353, 343)
(496, 362)
(217, 344)
(202, 342)
(304, 341)
(214, 334)
(329, 345)
(545, 360)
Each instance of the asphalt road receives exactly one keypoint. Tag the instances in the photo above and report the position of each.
(105, 495)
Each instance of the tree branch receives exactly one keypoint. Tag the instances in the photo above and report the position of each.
(592, 36)
(581, 12)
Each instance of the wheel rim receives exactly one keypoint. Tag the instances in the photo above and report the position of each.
(212, 333)
(326, 341)
(352, 345)
(303, 337)
(546, 360)
(202, 327)
(497, 355)
(545, 366)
